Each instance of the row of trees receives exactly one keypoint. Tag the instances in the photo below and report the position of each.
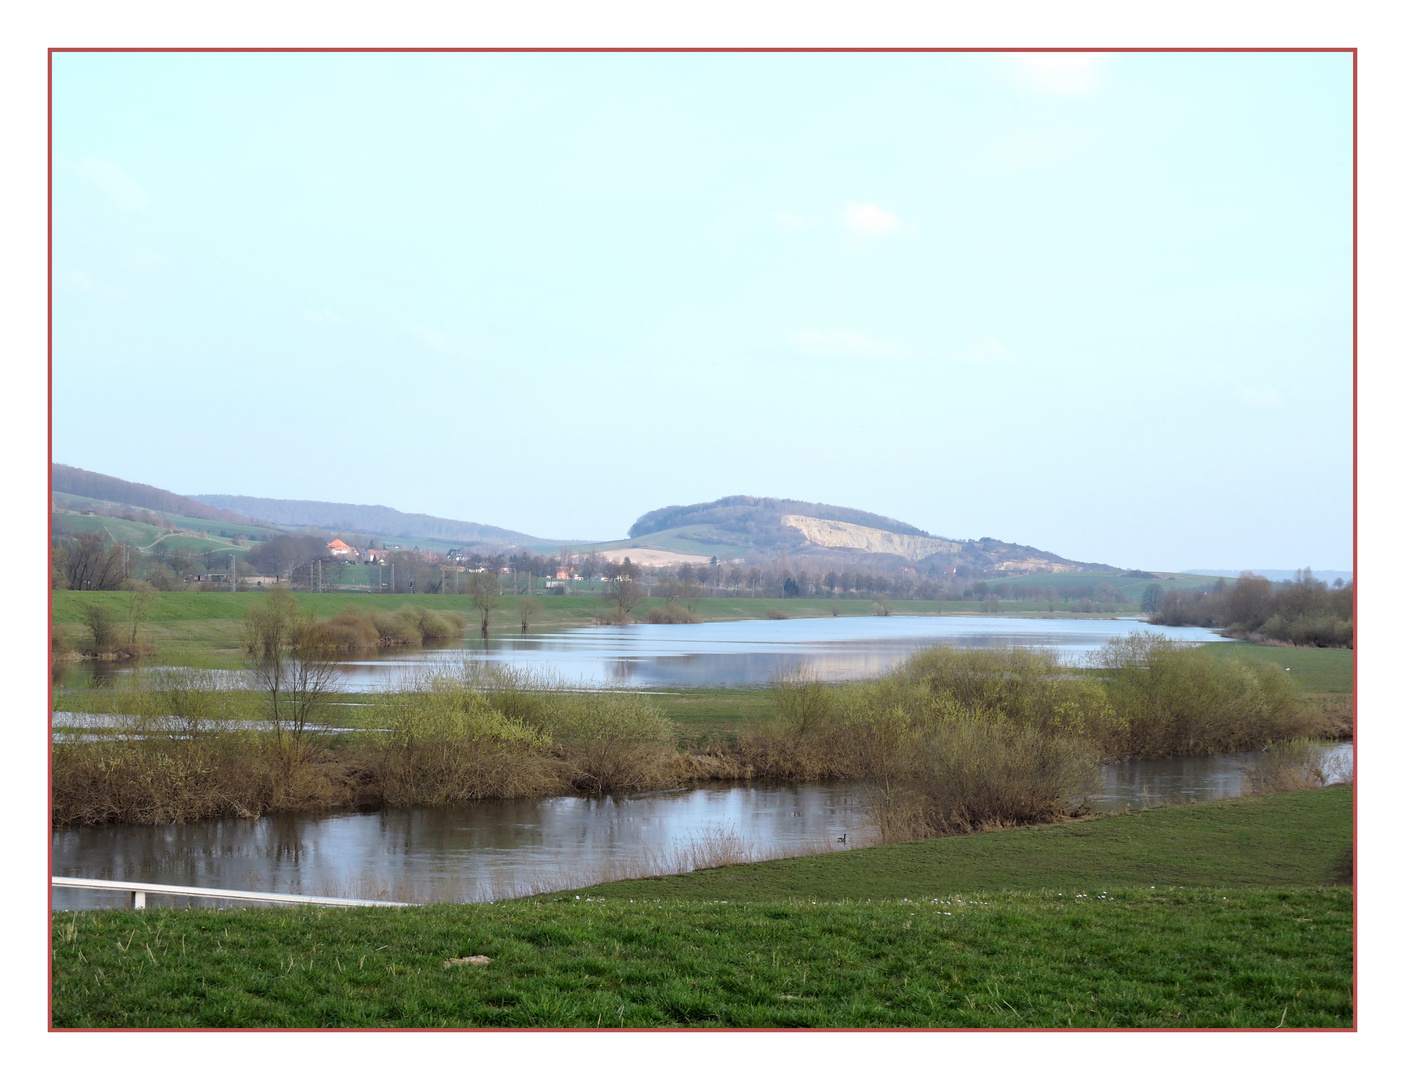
(1304, 611)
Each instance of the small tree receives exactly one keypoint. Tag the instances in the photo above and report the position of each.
(291, 667)
(527, 609)
(1151, 597)
(487, 595)
(140, 597)
(102, 626)
(624, 590)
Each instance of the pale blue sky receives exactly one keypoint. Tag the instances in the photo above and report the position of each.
(1101, 305)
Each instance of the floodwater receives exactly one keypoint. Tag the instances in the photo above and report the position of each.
(482, 851)
(754, 651)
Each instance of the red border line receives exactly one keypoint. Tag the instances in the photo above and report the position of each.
(1355, 540)
(49, 540)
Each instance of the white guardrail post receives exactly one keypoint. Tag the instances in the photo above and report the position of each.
(139, 889)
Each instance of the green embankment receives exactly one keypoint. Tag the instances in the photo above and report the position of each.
(1247, 937)
(1292, 838)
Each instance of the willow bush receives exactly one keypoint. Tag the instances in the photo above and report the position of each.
(980, 771)
(1174, 698)
(597, 742)
(444, 742)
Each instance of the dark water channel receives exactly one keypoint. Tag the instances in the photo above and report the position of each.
(512, 847)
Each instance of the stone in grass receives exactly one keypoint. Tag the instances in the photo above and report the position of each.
(480, 960)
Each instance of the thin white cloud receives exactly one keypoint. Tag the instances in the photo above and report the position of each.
(842, 344)
(866, 219)
(1072, 73)
(113, 182)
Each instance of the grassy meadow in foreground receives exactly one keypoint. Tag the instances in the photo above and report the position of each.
(1241, 931)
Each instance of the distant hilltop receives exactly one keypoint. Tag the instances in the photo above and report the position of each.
(373, 520)
(743, 526)
(738, 528)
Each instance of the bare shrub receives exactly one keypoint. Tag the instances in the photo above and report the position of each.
(981, 772)
(776, 613)
(147, 774)
(671, 613)
(291, 668)
(528, 608)
(1289, 765)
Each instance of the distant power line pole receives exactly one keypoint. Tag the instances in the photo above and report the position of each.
(233, 570)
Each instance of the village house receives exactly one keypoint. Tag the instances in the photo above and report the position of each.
(338, 549)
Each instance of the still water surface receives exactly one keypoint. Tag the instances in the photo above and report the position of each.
(752, 651)
(511, 847)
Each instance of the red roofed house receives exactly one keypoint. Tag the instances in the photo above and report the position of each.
(339, 550)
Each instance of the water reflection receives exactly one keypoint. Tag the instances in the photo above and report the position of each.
(752, 651)
(483, 850)
(469, 852)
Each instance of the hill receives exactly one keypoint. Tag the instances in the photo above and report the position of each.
(372, 520)
(743, 526)
(146, 519)
(109, 489)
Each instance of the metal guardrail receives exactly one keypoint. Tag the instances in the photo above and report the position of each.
(138, 890)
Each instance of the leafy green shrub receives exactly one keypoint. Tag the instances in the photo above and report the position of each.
(1029, 687)
(103, 628)
(397, 628)
(446, 743)
(612, 742)
(1173, 698)
(349, 632)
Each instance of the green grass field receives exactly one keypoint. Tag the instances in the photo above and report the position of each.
(995, 930)
(1317, 671)
(141, 535)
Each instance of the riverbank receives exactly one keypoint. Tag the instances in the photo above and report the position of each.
(954, 737)
(1042, 927)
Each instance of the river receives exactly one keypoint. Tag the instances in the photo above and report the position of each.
(482, 851)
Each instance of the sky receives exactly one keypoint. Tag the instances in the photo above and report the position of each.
(1096, 303)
